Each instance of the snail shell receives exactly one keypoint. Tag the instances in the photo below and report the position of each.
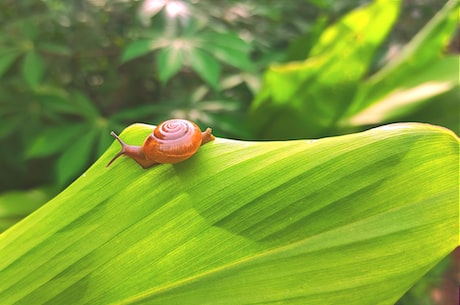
(172, 141)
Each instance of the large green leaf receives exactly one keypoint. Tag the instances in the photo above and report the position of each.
(355, 219)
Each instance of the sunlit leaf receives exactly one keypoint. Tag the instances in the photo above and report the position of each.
(419, 62)
(350, 44)
(300, 99)
(439, 111)
(353, 220)
(438, 78)
(427, 44)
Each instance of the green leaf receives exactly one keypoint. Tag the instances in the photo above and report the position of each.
(9, 124)
(103, 142)
(427, 44)
(15, 205)
(85, 105)
(33, 68)
(350, 44)
(53, 140)
(229, 48)
(75, 157)
(301, 99)
(59, 101)
(7, 58)
(136, 49)
(299, 47)
(439, 77)
(141, 112)
(421, 54)
(205, 66)
(55, 48)
(353, 220)
(28, 27)
(438, 111)
(169, 61)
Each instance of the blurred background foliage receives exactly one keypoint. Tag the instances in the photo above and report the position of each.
(72, 71)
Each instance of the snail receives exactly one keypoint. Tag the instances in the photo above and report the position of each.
(172, 141)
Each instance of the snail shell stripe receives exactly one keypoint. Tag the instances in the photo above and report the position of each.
(174, 131)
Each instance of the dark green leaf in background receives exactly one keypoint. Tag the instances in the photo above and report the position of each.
(85, 105)
(33, 68)
(76, 156)
(169, 61)
(7, 57)
(229, 48)
(9, 125)
(58, 101)
(53, 140)
(205, 65)
(28, 27)
(55, 49)
(136, 49)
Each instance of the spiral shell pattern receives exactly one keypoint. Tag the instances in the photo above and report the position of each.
(174, 130)
(173, 141)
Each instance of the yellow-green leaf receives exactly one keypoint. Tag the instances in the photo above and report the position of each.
(355, 219)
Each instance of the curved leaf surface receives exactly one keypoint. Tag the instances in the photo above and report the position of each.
(354, 219)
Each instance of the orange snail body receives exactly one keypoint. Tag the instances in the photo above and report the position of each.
(172, 141)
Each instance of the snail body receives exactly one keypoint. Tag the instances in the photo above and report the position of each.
(172, 141)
